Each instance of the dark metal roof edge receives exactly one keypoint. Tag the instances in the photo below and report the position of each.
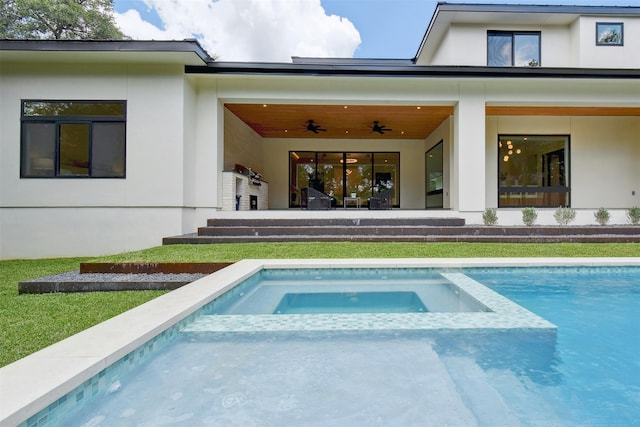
(428, 30)
(350, 61)
(169, 46)
(538, 8)
(410, 71)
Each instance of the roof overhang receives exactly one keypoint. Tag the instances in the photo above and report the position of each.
(179, 52)
(380, 69)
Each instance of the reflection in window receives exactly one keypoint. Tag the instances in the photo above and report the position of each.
(338, 174)
(73, 139)
(386, 168)
(519, 49)
(609, 33)
(434, 172)
(533, 171)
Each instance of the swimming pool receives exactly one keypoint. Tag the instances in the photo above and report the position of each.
(412, 376)
(352, 290)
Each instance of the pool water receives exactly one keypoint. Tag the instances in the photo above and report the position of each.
(588, 373)
(354, 290)
(597, 312)
(350, 302)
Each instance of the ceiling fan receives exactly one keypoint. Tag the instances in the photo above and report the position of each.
(312, 127)
(381, 129)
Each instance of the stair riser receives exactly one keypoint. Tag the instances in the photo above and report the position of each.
(417, 231)
(387, 238)
(342, 222)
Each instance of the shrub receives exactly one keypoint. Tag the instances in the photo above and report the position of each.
(564, 216)
(490, 217)
(633, 214)
(602, 216)
(529, 216)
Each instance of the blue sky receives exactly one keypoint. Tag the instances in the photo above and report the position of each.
(386, 28)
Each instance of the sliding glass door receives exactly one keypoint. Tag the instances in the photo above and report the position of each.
(340, 174)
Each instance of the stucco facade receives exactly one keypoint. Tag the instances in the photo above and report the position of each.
(181, 136)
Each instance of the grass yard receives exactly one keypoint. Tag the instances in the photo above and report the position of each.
(31, 322)
(238, 251)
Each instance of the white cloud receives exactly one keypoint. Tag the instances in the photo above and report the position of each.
(249, 30)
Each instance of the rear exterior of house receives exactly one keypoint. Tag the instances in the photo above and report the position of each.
(110, 146)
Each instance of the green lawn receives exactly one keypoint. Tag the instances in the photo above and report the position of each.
(235, 252)
(31, 322)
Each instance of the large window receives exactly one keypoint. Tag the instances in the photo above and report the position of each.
(339, 174)
(73, 139)
(513, 49)
(533, 171)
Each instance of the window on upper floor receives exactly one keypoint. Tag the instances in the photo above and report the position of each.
(513, 49)
(73, 139)
(609, 33)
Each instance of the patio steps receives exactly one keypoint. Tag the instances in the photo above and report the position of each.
(239, 230)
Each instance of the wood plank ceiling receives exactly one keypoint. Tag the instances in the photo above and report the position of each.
(561, 111)
(341, 121)
(400, 122)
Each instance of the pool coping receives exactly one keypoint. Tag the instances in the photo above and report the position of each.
(30, 384)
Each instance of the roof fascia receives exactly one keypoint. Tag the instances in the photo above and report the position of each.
(286, 69)
(168, 46)
(350, 61)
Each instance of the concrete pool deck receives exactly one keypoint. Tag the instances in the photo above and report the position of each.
(31, 384)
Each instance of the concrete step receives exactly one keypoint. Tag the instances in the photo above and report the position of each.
(414, 230)
(342, 222)
(462, 237)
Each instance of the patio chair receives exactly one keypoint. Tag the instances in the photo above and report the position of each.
(381, 200)
(316, 199)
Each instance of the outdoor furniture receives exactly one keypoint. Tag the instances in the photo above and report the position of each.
(347, 200)
(315, 199)
(381, 200)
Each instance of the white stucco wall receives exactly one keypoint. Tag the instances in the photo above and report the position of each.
(605, 170)
(603, 159)
(242, 145)
(571, 45)
(591, 55)
(61, 217)
(468, 181)
(467, 44)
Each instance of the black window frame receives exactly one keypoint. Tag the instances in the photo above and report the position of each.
(512, 34)
(436, 192)
(295, 203)
(600, 23)
(536, 189)
(58, 121)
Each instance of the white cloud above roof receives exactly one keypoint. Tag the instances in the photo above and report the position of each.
(248, 30)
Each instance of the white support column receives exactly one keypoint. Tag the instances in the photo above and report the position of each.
(203, 148)
(469, 163)
(210, 148)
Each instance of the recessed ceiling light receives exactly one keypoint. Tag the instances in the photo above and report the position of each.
(264, 105)
(418, 108)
